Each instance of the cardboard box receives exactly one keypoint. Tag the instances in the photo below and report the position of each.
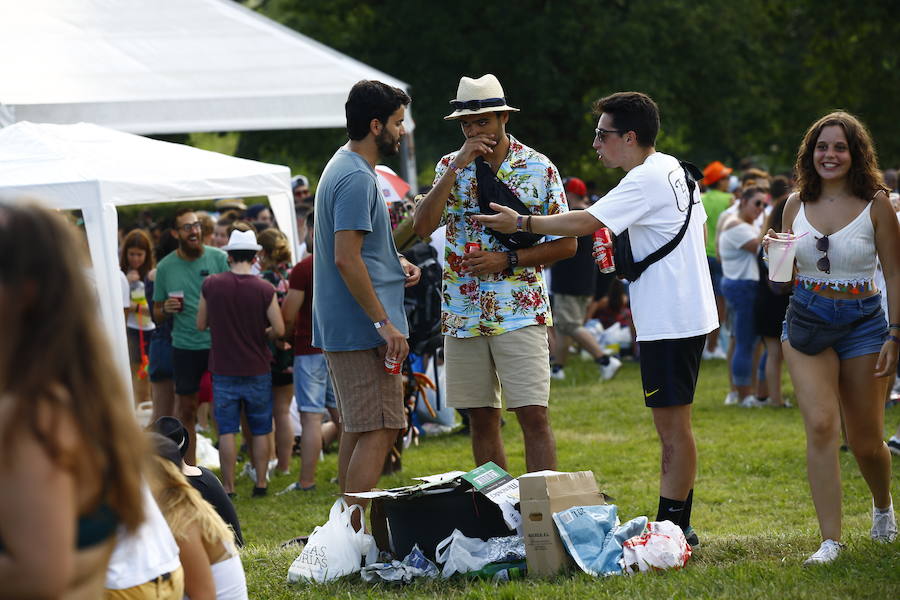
(542, 494)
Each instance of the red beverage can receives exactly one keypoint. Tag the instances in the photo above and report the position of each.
(470, 246)
(392, 366)
(603, 251)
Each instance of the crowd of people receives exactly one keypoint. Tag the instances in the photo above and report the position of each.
(220, 312)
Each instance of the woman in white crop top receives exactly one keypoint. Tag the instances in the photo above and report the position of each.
(844, 215)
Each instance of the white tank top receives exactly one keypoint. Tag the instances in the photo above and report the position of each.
(851, 251)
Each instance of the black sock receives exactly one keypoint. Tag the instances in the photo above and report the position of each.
(670, 510)
(603, 360)
(555, 368)
(686, 513)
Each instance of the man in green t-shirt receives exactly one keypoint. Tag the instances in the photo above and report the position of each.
(715, 200)
(179, 277)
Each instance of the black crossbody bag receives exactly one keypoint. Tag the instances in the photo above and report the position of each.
(626, 267)
(491, 189)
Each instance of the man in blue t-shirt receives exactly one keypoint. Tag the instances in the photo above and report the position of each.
(176, 294)
(358, 316)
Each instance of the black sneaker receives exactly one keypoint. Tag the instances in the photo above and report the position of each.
(259, 492)
(894, 445)
(691, 537)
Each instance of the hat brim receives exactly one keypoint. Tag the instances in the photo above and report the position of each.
(254, 247)
(725, 173)
(465, 112)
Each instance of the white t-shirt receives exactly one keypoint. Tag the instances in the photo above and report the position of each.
(146, 554)
(737, 263)
(673, 298)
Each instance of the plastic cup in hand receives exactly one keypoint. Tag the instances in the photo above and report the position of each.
(782, 248)
(178, 295)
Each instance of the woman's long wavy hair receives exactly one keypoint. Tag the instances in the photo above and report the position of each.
(182, 506)
(864, 177)
(275, 248)
(137, 238)
(55, 360)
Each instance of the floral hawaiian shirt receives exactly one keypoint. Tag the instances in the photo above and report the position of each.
(514, 298)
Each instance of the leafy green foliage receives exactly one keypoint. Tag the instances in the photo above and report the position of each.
(732, 80)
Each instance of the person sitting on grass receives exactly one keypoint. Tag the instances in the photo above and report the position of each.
(212, 565)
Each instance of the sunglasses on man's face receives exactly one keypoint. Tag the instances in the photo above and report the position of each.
(602, 133)
(823, 264)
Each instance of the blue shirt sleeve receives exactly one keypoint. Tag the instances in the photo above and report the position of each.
(354, 199)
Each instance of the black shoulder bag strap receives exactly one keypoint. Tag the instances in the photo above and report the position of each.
(691, 175)
(491, 189)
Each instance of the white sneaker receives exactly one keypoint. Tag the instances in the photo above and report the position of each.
(608, 371)
(558, 374)
(732, 398)
(884, 525)
(249, 471)
(270, 468)
(750, 401)
(827, 552)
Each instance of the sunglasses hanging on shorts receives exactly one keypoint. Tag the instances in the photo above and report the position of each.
(823, 264)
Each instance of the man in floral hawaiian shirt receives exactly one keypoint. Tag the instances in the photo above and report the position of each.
(495, 309)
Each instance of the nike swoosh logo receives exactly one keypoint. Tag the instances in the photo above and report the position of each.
(674, 509)
(648, 394)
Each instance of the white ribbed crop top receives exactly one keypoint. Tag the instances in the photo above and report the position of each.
(851, 251)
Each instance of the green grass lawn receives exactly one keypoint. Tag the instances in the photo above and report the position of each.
(752, 508)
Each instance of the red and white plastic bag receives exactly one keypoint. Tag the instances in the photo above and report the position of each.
(661, 546)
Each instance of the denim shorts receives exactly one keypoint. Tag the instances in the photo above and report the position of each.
(312, 384)
(254, 392)
(866, 338)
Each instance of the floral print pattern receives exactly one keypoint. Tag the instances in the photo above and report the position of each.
(512, 299)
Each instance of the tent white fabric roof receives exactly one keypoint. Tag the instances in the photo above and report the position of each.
(95, 169)
(168, 66)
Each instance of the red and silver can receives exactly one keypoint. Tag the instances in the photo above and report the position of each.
(603, 251)
(470, 246)
(392, 365)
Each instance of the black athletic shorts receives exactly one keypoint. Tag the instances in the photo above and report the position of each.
(669, 370)
(188, 367)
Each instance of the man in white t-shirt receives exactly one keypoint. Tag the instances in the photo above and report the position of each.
(672, 302)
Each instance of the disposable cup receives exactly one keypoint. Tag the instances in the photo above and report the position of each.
(782, 248)
(178, 295)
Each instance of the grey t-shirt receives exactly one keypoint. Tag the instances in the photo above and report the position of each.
(348, 199)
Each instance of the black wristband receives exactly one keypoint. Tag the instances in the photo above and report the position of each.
(894, 326)
(512, 259)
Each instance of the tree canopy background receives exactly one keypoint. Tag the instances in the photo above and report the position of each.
(732, 79)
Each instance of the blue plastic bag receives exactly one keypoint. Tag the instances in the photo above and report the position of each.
(593, 537)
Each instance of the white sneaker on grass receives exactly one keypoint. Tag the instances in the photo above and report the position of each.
(884, 524)
(732, 398)
(558, 374)
(827, 552)
(894, 445)
(750, 401)
(608, 371)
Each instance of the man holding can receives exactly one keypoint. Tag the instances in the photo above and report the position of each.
(358, 315)
(176, 294)
(495, 310)
(672, 300)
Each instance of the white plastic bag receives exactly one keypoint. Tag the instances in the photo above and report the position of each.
(334, 549)
(461, 554)
(662, 546)
(207, 454)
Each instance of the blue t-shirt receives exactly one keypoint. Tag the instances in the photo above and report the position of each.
(348, 199)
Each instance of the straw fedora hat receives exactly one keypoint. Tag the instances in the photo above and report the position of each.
(477, 96)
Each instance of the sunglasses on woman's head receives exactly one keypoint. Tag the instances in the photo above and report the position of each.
(823, 263)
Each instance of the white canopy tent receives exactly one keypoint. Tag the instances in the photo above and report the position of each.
(170, 66)
(95, 169)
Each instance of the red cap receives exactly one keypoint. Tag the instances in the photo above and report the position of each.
(576, 186)
(713, 172)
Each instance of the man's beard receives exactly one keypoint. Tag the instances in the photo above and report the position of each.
(386, 143)
(188, 250)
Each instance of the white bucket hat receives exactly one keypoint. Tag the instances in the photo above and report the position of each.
(477, 96)
(242, 240)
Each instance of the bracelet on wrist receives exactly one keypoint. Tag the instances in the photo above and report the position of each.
(893, 338)
(528, 224)
(456, 170)
(894, 326)
(519, 220)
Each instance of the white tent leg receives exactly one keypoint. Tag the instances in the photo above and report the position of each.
(101, 223)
